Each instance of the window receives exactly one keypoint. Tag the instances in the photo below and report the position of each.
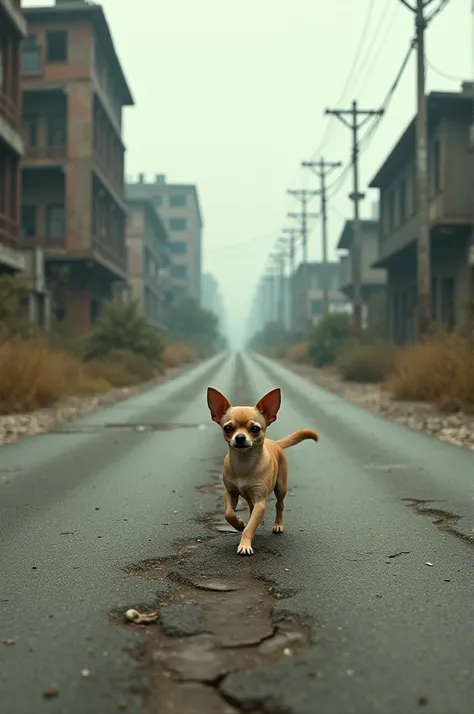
(403, 201)
(391, 211)
(28, 221)
(56, 46)
(178, 247)
(30, 124)
(157, 200)
(31, 57)
(177, 224)
(57, 131)
(316, 307)
(437, 167)
(177, 200)
(178, 271)
(56, 219)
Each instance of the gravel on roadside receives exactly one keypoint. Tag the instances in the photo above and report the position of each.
(457, 429)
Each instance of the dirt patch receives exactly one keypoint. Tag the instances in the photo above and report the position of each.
(214, 619)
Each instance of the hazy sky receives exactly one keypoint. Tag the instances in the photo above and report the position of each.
(232, 97)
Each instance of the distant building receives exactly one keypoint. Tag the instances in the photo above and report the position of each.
(148, 261)
(178, 205)
(73, 206)
(373, 280)
(451, 213)
(13, 30)
(211, 299)
(308, 304)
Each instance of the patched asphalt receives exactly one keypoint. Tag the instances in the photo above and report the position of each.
(387, 592)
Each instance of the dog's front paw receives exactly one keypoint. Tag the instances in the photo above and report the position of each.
(245, 549)
(278, 529)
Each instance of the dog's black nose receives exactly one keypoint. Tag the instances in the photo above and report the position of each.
(240, 439)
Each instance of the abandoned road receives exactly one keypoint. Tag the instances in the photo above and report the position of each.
(363, 606)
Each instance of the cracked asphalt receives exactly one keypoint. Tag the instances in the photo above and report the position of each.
(386, 589)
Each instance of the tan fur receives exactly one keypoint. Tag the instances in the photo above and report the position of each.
(253, 472)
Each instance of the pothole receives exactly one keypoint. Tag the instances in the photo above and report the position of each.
(214, 618)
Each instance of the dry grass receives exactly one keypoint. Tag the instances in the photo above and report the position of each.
(369, 364)
(113, 373)
(33, 376)
(299, 353)
(177, 354)
(439, 370)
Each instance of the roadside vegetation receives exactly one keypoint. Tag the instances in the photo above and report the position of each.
(439, 370)
(122, 350)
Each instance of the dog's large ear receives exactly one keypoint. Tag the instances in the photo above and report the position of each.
(269, 405)
(217, 403)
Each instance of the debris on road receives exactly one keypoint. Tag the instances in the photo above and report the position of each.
(141, 618)
(50, 693)
(8, 643)
(430, 564)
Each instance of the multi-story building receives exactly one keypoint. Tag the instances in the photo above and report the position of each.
(308, 304)
(451, 216)
(12, 30)
(148, 260)
(74, 91)
(211, 299)
(373, 280)
(178, 205)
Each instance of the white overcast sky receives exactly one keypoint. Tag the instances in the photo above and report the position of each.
(231, 96)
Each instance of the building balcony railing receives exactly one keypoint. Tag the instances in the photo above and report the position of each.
(51, 153)
(9, 111)
(112, 255)
(9, 231)
(110, 174)
(46, 242)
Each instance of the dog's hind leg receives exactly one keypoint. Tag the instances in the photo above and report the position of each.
(230, 500)
(280, 493)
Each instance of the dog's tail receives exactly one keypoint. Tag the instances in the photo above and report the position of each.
(296, 437)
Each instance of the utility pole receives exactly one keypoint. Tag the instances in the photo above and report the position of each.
(292, 255)
(356, 196)
(303, 220)
(322, 169)
(278, 260)
(422, 198)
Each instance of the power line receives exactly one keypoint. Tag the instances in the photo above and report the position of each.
(442, 6)
(443, 74)
(355, 60)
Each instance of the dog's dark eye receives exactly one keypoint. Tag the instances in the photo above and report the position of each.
(228, 428)
(254, 429)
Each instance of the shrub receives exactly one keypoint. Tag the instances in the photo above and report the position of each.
(176, 354)
(298, 353)
(327, 338)
(124, 327)
(135, 363)
(279, 352)
(114, 373)
(33, 376)
(366, 363)
(438, 370)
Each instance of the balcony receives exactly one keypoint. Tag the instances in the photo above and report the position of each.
(9, 231)
(110, 255)
(9, 111)
(45, 154)
(46, 242)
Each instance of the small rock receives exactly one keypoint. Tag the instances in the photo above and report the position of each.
(50, 693)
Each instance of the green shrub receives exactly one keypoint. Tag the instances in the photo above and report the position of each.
(124, 327)
(327, 338)
(134, 363)
(366, 363)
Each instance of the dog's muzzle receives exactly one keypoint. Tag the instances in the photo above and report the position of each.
(240, 441)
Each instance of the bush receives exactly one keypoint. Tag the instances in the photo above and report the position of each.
(327, 338)
(439, 370)
(124, 327)
(299, 353)
(366, 363)
(135, 363)
(178, 354)
(33, 376)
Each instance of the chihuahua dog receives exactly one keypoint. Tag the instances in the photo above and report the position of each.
(254, 465)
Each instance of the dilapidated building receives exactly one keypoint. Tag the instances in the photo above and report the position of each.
(451, 213)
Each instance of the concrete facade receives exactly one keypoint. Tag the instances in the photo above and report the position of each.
(178, 206)
(308, 304)
(73, 206)
(148, 259)
(12, 31)
(373, 280)
(451, 209)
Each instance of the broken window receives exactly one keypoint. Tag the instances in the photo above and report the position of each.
(28, 221)
(57, 131)
(56, 220)
(56, 46)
